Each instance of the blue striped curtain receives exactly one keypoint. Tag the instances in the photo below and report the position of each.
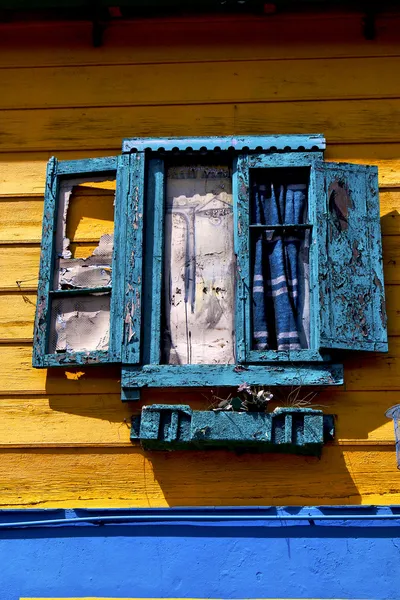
(280, 278)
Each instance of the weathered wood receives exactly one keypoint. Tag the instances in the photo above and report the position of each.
(391, 258)
(365, 121)
(375, 372)
(129, 477)
(351, 290)
(21, 217)
(192, 39)
(23, 174)
(211, 375)
(18, 376)
(73, 405)
(131, 293)
(184, 83)
(17, 313)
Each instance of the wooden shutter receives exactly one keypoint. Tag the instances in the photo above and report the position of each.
(131, 299)
(348, 234)
(81, 273)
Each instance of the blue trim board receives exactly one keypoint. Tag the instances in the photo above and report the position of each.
(249, 552)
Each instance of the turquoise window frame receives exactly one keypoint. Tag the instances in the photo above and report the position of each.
(137, 264)
(306, 367)
(56, 171)
(244, 164)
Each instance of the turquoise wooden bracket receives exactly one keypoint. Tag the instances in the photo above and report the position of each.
(178, 427)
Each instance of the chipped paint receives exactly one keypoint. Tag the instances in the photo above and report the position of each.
(350, 257)
(59, 339)
(340, 203)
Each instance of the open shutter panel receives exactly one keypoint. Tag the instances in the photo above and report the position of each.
(352, 301)
(133, 254)
(78, 317)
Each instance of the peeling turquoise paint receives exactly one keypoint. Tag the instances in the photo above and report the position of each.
(178, 427)
(347, 303)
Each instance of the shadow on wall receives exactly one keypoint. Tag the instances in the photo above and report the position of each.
(346, 473)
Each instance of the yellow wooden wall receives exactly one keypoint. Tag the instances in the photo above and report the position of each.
(64, 435)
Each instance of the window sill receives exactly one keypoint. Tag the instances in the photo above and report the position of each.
(166, 376)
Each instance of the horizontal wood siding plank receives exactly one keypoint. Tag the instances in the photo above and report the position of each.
(199, 83)
(195, 39)
(362, 372)
(90, 213)
(19, 264)
(127, 477)
(89, 217)
(23, 174)
(341, 121)
(19, 267)
(17, 376)
(17, 312)
(102, 419)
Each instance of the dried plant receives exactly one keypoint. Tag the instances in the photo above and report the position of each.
(297, 397)
(251, 399)
(257, 398)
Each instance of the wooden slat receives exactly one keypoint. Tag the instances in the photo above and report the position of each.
(90, 215)
(20, 263)
(390, 211)
(194, 39)
(103, 420)
(127, 477)
(17, 311)
(372, 371)
(392, 293)
(362, 372)
(57, 129)
(17, 376)
(200, 83)
(23, 174)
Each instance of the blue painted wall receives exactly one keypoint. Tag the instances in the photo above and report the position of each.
(275, 559)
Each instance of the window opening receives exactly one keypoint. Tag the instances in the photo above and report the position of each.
(280, 237)
(82, 278)
(199, 265)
